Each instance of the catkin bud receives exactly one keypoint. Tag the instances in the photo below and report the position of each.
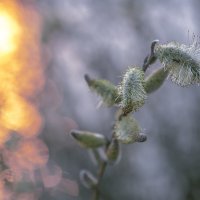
(88, 179)
(155, 80)
(105, 89)
(88, 139)
(113, 151)
(97, 155)
(132, 90)
(182, 61)
(128, 131)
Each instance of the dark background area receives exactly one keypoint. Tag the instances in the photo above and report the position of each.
(102, 38)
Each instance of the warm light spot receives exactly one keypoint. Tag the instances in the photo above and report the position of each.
(21, 72)
(22, 79)
(9, 29)
(16, 114)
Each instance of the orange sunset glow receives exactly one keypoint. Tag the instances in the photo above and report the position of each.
(9, 30)
(20, 71)
(21, 76)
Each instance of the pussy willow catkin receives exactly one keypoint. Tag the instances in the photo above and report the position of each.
(182, 61)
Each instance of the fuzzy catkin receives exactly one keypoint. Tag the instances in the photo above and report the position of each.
(127, 130)
(182, 62)
(132, 90)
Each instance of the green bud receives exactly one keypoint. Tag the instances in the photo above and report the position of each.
(132, 90)
(155, 80)
(105, 89)
(128, 131)
(88, 139)
(88, 179)
(113, 151)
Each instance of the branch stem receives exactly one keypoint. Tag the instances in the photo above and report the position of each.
(96, 192)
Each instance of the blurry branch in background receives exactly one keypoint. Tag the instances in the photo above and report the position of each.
(180, 63)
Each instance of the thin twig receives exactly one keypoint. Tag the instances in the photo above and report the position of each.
(96, 192)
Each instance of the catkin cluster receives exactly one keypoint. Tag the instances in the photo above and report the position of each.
(180, 62)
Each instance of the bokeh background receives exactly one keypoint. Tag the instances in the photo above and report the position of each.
(102, 38)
